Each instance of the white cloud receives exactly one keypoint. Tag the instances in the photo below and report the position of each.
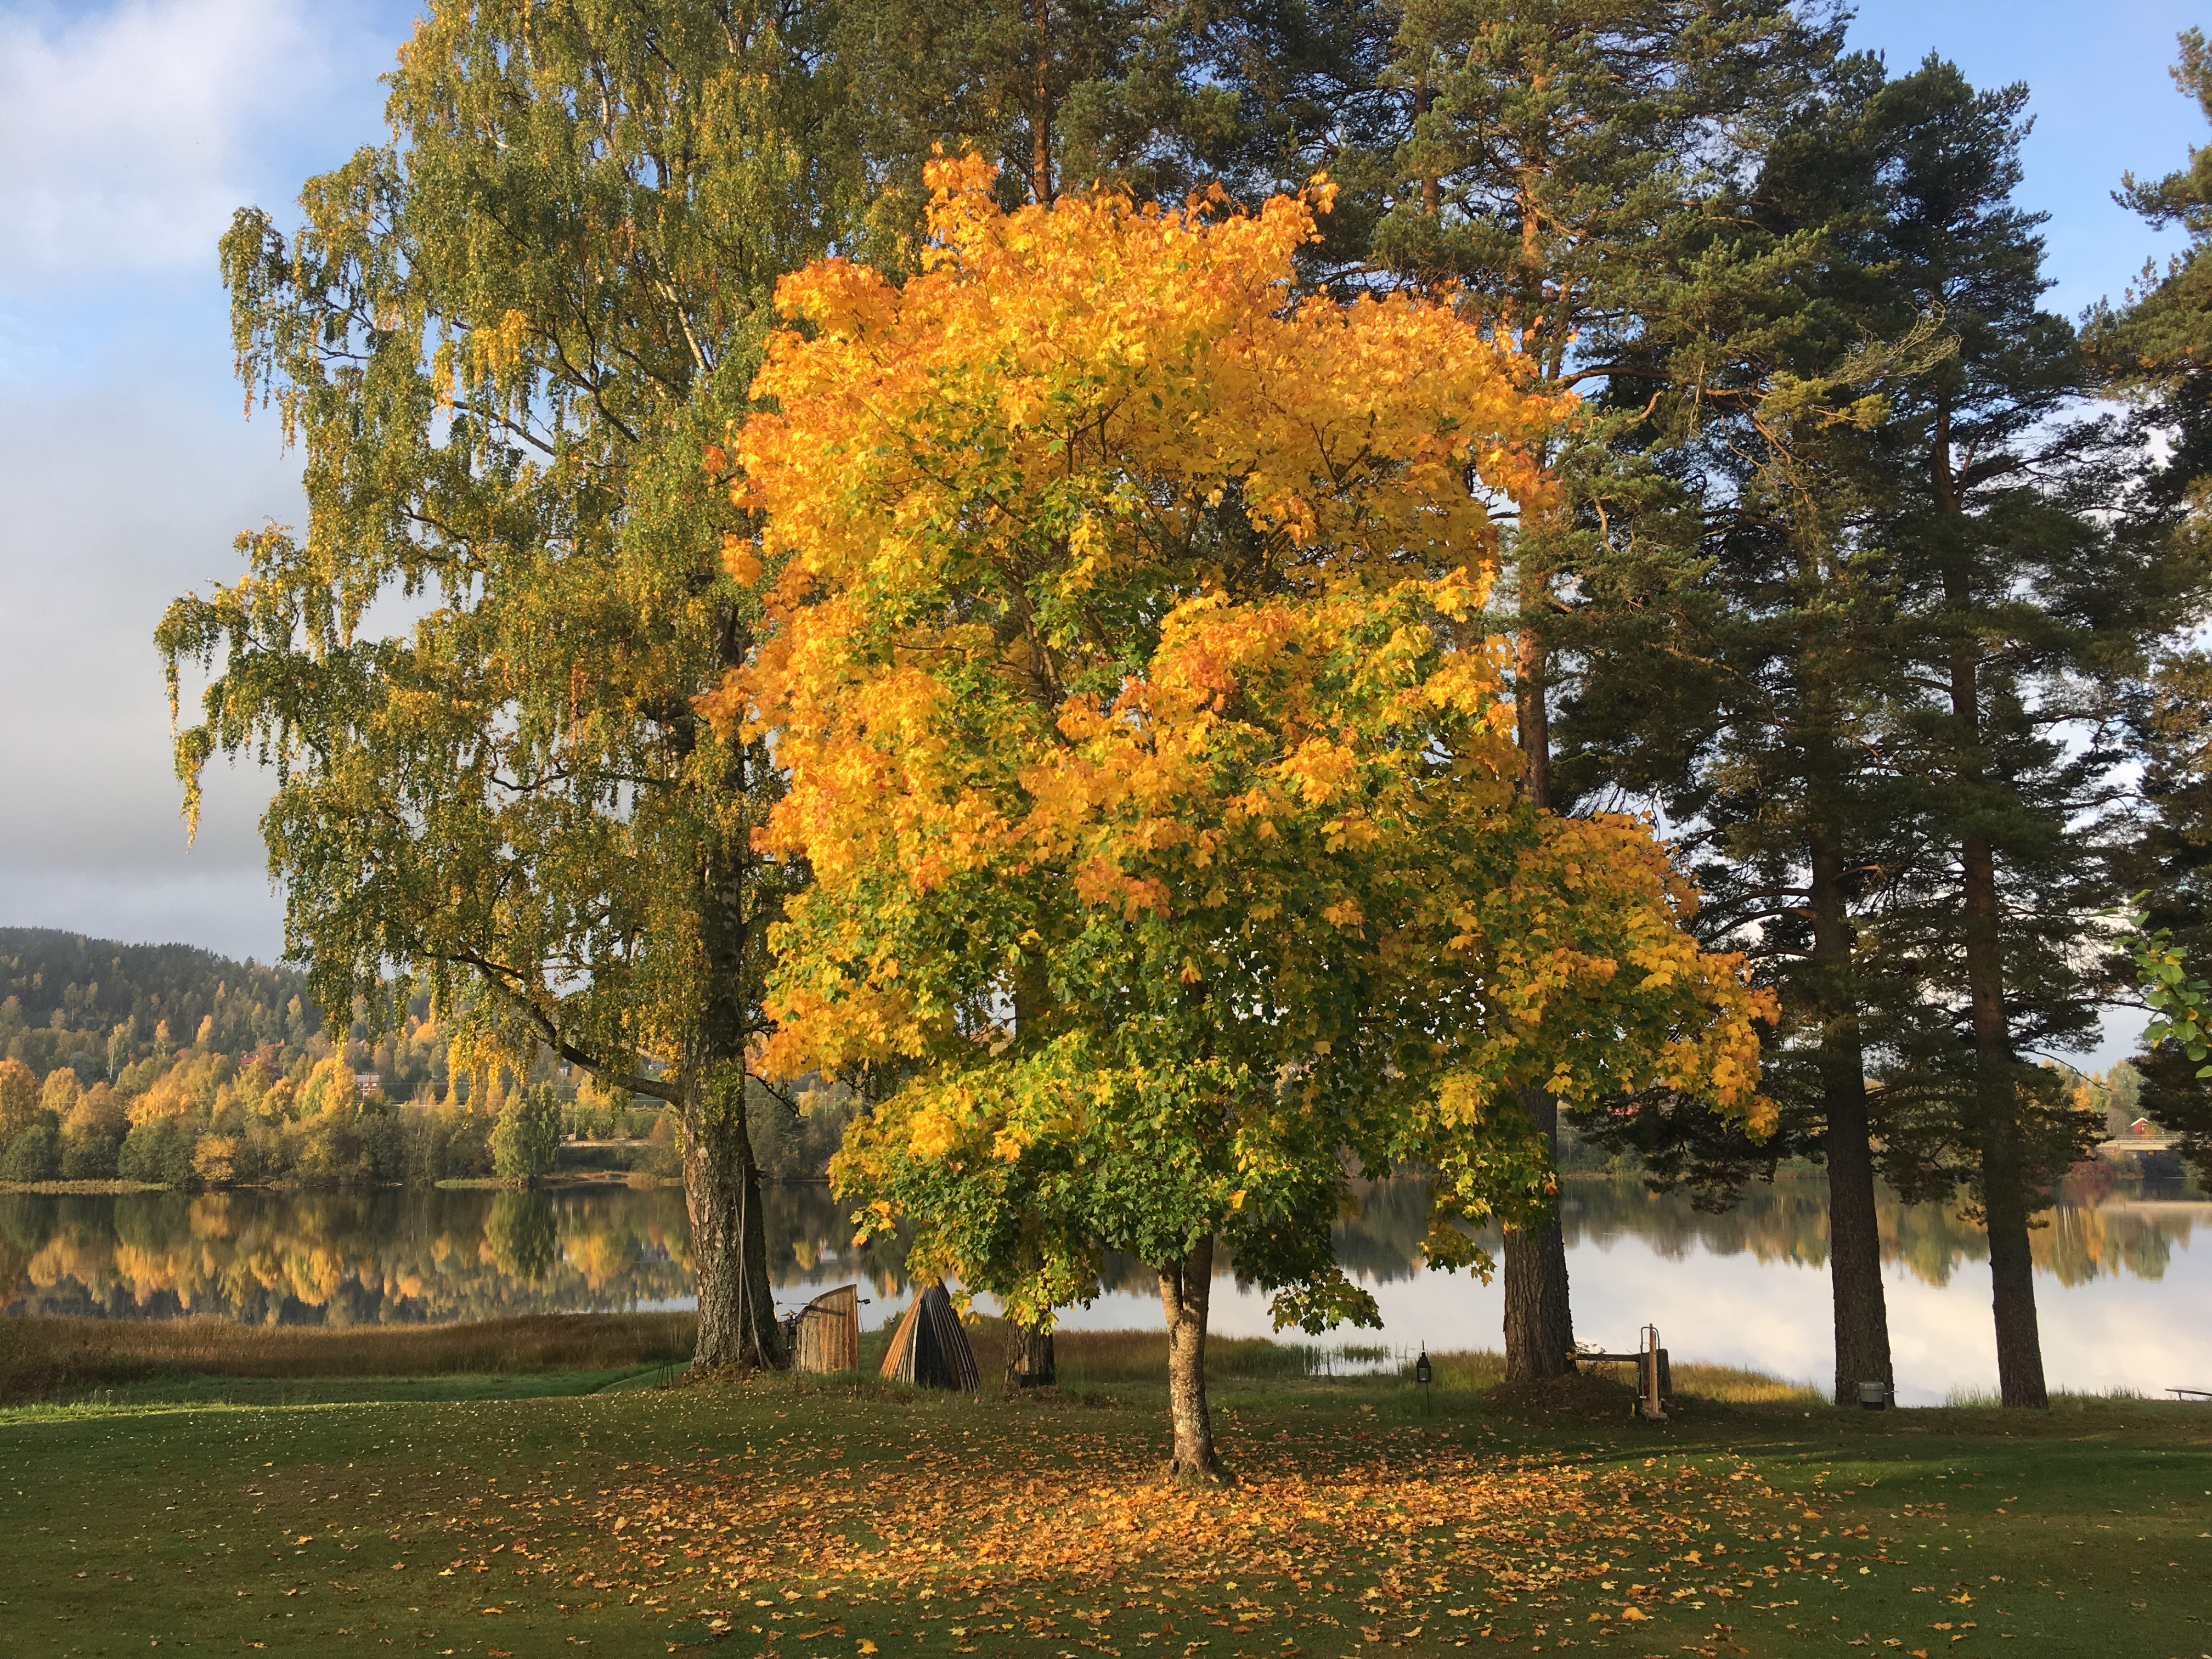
(132, 131)
(121, 497)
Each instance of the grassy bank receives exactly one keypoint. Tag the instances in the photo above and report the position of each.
(57, 1359)
(821, 1519)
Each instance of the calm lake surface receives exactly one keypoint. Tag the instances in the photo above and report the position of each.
(2123, 1293)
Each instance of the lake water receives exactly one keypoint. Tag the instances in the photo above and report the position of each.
(2123, 1294)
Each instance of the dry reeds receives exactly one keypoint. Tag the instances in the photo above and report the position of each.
(1482, 1369)
(1101, 1359)
(1733, 1385)
(39, 1356)
(42, 1357)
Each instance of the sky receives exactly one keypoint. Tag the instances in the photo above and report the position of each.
(129, 134)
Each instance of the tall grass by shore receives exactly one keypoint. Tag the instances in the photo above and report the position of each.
(50, 1357)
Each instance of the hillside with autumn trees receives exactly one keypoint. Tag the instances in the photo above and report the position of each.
(167, 1064)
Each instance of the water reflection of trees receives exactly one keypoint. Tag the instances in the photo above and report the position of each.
(342, 1258)
(2097, 1230)
(425, 1255)
(2100, 1228)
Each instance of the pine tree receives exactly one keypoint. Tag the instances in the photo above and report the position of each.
(2022, 609)
(1907, 644)
(2156, 350)
(1564, 164)
(1163, 101)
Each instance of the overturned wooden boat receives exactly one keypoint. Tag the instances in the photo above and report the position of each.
(929, 1349)
(826, 1333)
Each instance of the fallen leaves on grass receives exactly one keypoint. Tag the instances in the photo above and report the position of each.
(1368, 1533)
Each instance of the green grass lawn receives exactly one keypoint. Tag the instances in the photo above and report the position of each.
(804, 1519)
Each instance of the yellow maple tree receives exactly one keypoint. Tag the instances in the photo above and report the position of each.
(1144, 740)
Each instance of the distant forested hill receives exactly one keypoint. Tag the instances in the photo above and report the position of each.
(170, 1064)
(98, 1005)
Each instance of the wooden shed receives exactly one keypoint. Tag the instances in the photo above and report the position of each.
(826, 1337)
(929, 1349)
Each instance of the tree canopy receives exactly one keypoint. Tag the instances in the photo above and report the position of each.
(1146, 749)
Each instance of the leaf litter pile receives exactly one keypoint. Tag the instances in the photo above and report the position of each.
(1056, 1539)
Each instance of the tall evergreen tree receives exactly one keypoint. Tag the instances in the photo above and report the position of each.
(1745, 701)
(2022, 611)
(1915, 618)
(504, 340)
(1164, 100)
(1566, 162)
(2156, 351)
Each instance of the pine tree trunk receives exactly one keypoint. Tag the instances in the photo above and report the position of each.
(1040, 110)
(1861, 1314)
(1532, 711)
(1186, 1287)
(2012, 1268)
(729, 1240)
(1540, 1327)
(2005, 1196)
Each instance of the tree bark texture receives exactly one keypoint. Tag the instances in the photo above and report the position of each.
(721, 1180)
(1540, 1327)
(1040, 110)
(1186, 1287)
(1029, 1360)
(1540, 1330)
(1532, 713)
(729, 1241)
(1862, 1314)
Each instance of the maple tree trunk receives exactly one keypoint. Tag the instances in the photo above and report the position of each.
(1186, 1287)
(2005, 1198)
(1540, 1327)
(1031, 1363)
(1862, 1314)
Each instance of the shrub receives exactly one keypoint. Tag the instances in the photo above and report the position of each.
(158, 1152)
(88, 1157)
(216, 1158)
(664, 1148)
(33, 1155)
(438, 1142)
(527, 1137)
